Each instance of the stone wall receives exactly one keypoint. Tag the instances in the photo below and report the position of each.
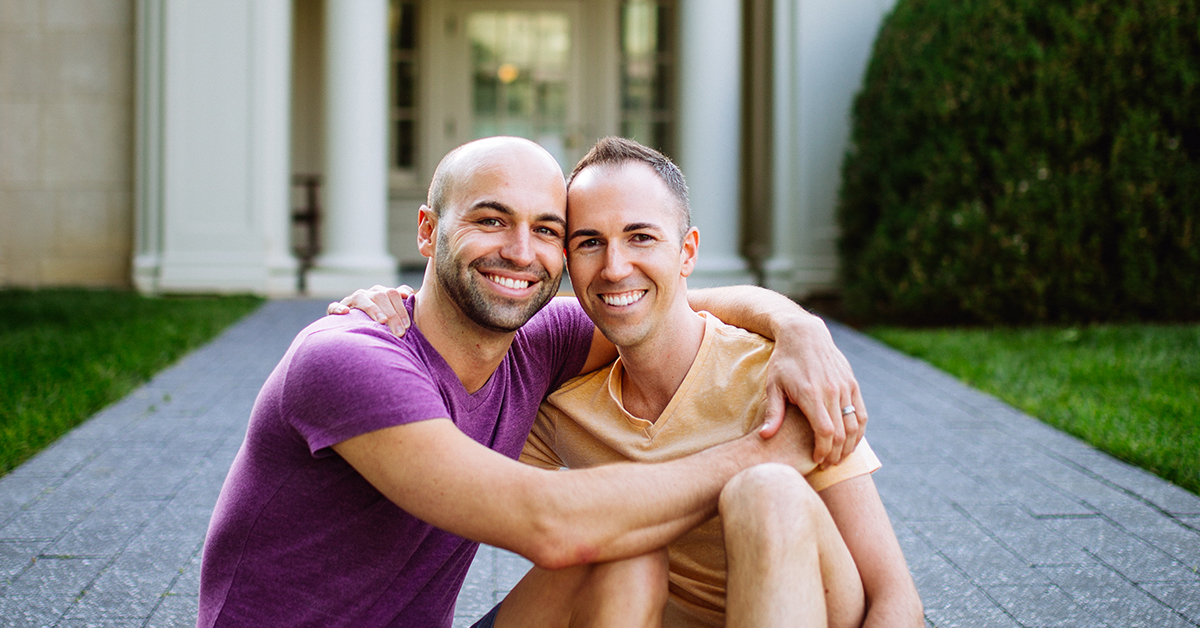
(66, 142)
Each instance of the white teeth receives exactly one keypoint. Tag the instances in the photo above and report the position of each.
(516, 284)
(623, 299)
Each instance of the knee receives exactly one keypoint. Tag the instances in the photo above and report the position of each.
(632, 591)
(771, 498)
(640, 575)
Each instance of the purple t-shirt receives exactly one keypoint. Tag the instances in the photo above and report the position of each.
(299, 538)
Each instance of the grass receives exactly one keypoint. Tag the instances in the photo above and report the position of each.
(1130, 390)
(67, 353)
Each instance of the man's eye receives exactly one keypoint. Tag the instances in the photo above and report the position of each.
(589, 243)
(490, 222)
(548, 232)
(642, 237)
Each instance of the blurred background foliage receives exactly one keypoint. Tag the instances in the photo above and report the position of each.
(1017, 161)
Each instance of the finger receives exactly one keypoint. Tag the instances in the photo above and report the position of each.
(336, 308)
(383, 304)
(860, 408)
(838, 438)
(361, 300)
(397, 314)
(773, 417)
(369, 302)
(850, 422)
(406, 290)
(823, 431)
(397, 297)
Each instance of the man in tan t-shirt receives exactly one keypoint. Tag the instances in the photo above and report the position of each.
(816, 552)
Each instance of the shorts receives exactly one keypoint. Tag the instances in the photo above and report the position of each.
(489, 620)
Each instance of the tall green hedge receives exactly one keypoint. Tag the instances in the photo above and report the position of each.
(1027, 160)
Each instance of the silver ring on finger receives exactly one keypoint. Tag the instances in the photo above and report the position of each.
(847, 410)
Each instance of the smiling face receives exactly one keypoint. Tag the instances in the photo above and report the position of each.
(497, 243)
(624, 252)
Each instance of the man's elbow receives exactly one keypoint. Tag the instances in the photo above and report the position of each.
(557, 544)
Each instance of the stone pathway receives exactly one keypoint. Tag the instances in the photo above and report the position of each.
(1005, 522)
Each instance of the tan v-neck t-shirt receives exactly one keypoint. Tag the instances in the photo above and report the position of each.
(583, 424)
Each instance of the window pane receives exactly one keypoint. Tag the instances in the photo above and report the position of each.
(520, 61)
(405, 83)
(647, 72)
(406, 32)
(405, 144)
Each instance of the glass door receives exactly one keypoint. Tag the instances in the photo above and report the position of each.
(522, 73)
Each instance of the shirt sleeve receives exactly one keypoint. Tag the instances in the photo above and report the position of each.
(350, 379)
(861, 462)
(539, 450)
(562, 333)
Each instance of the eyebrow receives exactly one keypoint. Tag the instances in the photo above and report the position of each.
(508, 211)
(633, 226)
(581, 233)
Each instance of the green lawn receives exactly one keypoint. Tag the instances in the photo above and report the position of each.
(1130, 390)
(67, 353)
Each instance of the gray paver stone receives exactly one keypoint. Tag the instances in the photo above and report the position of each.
(1115, 599)
(1045, 606)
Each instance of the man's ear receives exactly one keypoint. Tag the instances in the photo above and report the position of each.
(689, 251)
(426, 231)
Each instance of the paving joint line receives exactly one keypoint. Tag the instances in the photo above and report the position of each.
(171, 585)
(1137, 586)
(971, 580)
(116, 556)
(52, 540)
(1129, 493)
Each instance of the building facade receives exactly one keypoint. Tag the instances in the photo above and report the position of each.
(167, 143)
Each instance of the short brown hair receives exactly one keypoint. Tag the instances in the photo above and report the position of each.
(618, 151)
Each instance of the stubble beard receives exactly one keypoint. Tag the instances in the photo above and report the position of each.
(461, 282)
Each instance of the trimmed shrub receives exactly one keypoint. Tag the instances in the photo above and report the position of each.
(1022, 161)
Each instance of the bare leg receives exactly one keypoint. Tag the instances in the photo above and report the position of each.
(787, 563)
(625, 593)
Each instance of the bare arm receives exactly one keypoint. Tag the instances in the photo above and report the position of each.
(892, 598)
(806, 367)
(554, 518)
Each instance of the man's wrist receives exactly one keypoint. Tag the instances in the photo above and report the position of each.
(800, 324)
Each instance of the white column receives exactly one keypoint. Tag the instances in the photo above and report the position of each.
(148, 142)
(273, 113)
(821, 53)
(354, 227)
(780, 268)
(710, 88)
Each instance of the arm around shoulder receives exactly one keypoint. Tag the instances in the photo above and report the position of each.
(806, 368)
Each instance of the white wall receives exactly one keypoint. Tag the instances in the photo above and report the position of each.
(66, 153)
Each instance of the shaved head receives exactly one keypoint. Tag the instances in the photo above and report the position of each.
(495, 218)
(459, 164)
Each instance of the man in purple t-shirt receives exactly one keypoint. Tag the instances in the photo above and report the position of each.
(370, 460)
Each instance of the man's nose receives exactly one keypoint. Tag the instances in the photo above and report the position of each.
(519, 249)
(616, 264)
